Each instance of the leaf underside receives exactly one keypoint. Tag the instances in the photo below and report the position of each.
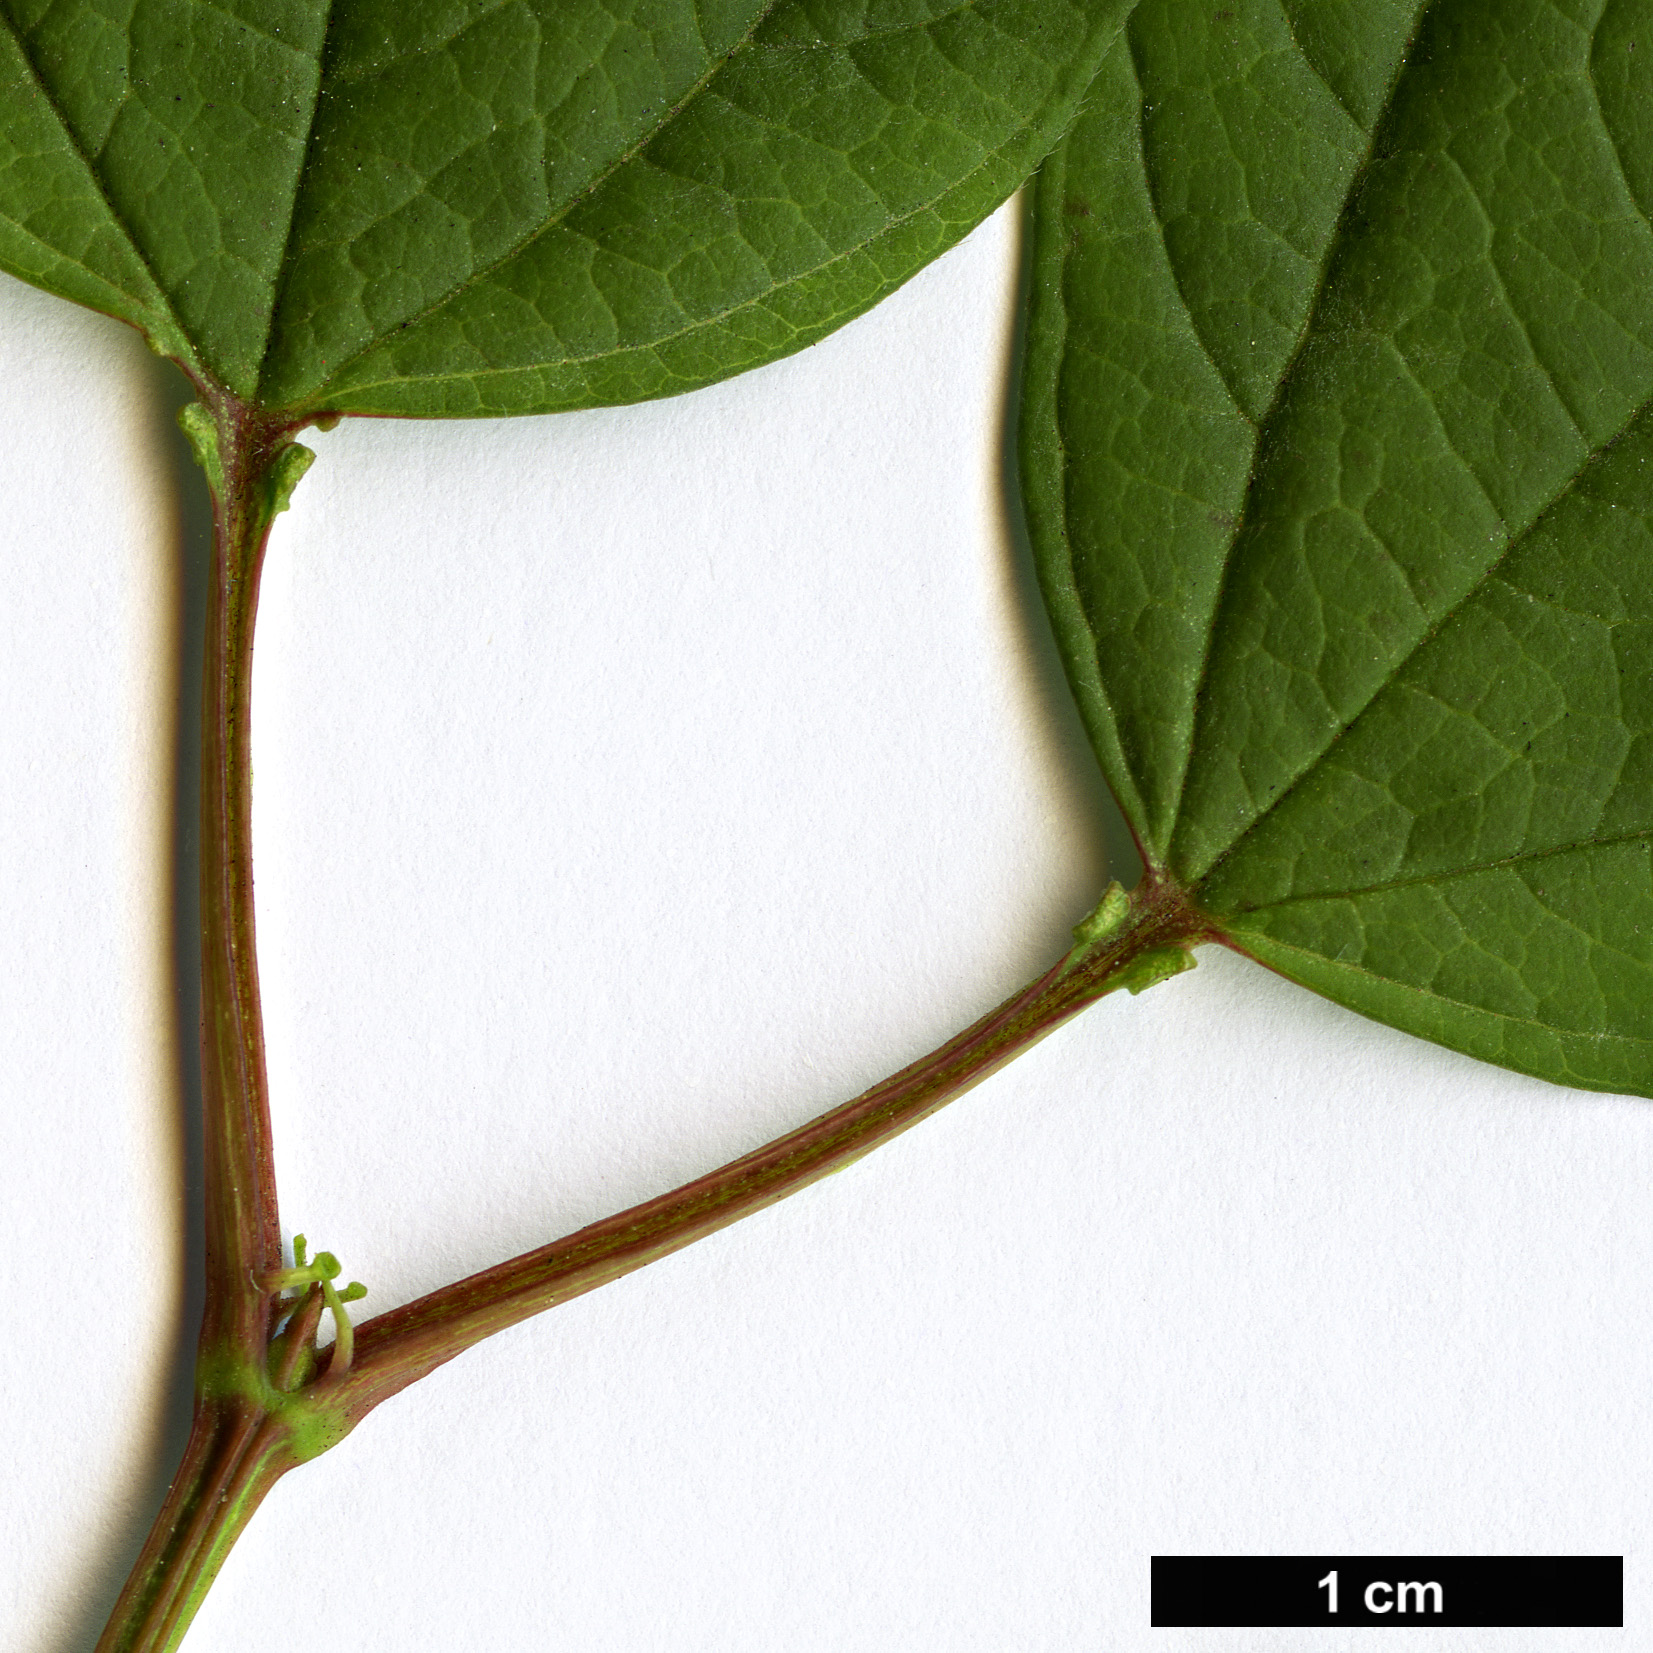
(455, 207)
(1338, 460)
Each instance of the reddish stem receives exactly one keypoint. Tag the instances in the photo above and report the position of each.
(256, 1416)
(243, 1226)
(237, 1448)
(396, 1349)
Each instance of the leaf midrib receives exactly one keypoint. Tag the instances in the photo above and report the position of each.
(1265, 424)
(278, 287)
(1427, 637)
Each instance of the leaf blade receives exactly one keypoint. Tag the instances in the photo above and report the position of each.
(748, 225)
(1163, 413)
(1524, 725)
(440, 207)
(1541, 966)
(57, 228)
(196, 119)
(1463, 406)
(1428, 656)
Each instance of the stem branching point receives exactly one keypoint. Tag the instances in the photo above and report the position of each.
(266, 1398)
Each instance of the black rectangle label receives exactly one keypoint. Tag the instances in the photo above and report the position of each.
(1278, 1592)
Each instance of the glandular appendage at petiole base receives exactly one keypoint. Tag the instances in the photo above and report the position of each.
(307, 1277)
(1106, 919)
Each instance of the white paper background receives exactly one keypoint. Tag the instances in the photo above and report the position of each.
(632, 786)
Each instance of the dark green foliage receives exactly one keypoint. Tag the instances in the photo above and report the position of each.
(511, 206)
(1340, 474)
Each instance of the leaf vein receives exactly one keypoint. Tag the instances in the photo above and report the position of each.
(1521, 321)
(1445, 431)
(1313, 67)
(1272, 412)
(866, 34)
(86, 161)
(1198, 336)
(374, 70)
(236, 20)
(654, 345)
(1383, 886)
(1607, 126)
(712, 70)
(1431, 992)
(1429, 635)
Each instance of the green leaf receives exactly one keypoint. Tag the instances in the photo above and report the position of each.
(1338, 463)
(511, 206)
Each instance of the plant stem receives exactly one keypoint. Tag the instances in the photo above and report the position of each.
(259, 1411)
(243, 1228)
(238, 1446)
(396, 1349)
(235, 1455)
